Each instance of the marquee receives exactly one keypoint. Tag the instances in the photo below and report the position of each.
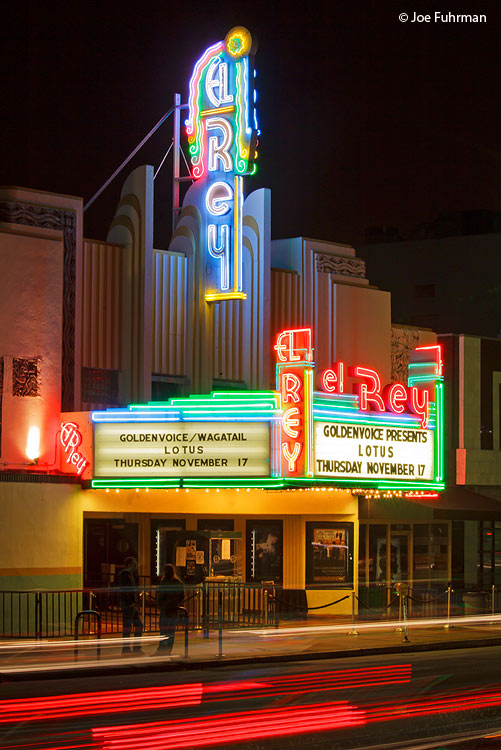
(377, 437)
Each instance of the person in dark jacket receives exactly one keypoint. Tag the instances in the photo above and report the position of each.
(129, 603)
(170, 596)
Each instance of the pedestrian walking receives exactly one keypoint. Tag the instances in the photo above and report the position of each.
(129, 603)
(170, 596)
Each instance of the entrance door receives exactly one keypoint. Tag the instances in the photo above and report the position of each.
(164, 533)
(399, 563)
(107, 542)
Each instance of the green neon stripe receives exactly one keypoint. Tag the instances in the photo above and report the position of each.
(440, 438)
(264, 482)
(335, 404)
(365, 421)
(375, 483)
(246, 394)
(214, 398)
(230, 416)
(240, 161)
(138, 482)
(411, 486)
(352, 481)
(220, 402)
(216, 408)
(423, 378)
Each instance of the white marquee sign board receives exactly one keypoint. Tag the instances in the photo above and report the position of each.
(182, 449)
(367, 452)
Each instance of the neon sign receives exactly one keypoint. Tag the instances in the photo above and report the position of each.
(389, 438)
(295, 382)
(71, 437)
(395, 397)
(222, 135)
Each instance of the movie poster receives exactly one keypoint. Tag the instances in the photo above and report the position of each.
(329, 558)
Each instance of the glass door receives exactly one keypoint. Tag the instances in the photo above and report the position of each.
(399, 562)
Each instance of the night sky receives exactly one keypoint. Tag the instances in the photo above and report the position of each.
(365, 120)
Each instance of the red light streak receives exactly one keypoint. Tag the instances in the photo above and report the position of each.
(296, 684)
(236, 727)
(111, 701)
(424, 707)
(106, 702)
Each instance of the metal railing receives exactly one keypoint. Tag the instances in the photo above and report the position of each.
(218, 605)
(51, 614)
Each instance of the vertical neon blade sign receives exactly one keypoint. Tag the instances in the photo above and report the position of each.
(294, 370)
(222, 135)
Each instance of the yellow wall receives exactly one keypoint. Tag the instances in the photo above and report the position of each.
(41, 537)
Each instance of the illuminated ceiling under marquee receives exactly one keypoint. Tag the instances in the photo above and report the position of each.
(222, 133)
(306, 438)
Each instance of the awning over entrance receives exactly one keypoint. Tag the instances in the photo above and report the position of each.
(461, 503)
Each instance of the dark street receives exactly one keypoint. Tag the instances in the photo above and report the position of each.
(399, 701)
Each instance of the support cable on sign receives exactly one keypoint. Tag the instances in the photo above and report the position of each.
(187, 165)
(162, 162)
(131, 155)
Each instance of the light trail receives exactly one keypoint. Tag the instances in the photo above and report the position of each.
(428, 622)
(191, 694)
(106, 702)
(236, 727)
(265, 723)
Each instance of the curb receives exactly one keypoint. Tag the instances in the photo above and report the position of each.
(216, 663)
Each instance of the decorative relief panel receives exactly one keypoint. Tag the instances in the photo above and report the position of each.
(33, 215)
(340, 265)
(25, 376)
(403, 341)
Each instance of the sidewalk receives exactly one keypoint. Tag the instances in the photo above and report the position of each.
(315, 638)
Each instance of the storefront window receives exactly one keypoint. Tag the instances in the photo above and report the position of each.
(329, 553)
(421, 552)
(363, 563)
(497, 553)
(399, 558)
(439, 558)
(488, 547)
(264, 545)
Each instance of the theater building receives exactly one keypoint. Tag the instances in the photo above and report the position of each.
(240, 406)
